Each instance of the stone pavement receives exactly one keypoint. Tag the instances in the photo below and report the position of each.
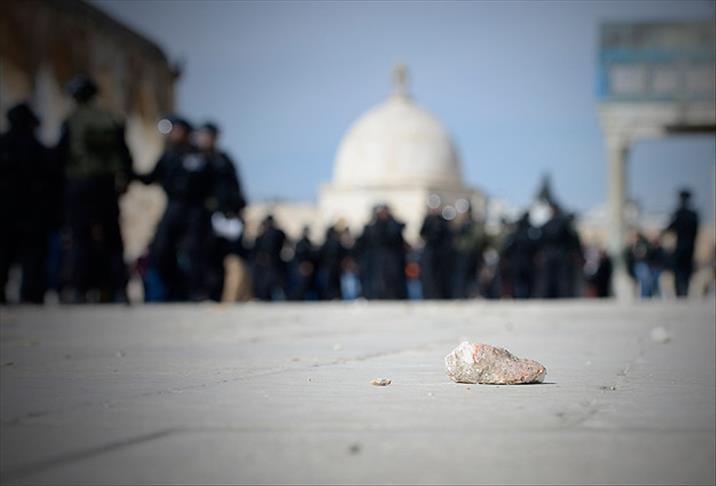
(280, 394)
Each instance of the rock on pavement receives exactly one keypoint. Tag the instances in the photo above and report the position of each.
(482, 363)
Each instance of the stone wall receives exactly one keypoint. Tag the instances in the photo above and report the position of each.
(43, 43)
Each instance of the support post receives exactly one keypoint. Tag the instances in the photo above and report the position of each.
(617, 152)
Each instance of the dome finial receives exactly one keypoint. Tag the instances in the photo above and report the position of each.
(400, 81)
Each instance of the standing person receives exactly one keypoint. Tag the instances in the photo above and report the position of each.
(383, 251)
(97, 169)
(436, 256)
(638, 260)
(518, 253)
(656, 257)
(556, 241)
(685, 225)
(332, 255)
(269, 269)
(227, 203)
(304, 266)
(575, 259)
(177, 251)
(30, 185)
(598, 273)
(470, 242)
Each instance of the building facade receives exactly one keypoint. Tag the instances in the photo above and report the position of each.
(44, 43)
(397, 153)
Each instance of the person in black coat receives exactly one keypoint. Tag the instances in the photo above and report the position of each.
(177, 250)
(556, 243)
(518, 252)
(269, 268)
(685, 225)
(30, 198)
(436, 257)
(332, 255)
(598, 275)
(227, 204)
(304, 268)
(382, 251)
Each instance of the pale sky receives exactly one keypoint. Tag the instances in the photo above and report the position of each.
(513, 82)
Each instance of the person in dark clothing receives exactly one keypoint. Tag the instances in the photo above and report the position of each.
(556, 240)
(469, 243)
(685, 225)
(382, 252)
(598, 275)
(436, 257)
(656, 258)
(332, 256)
(229, 202)
(639, 257)
(269, 268)
(304, 266)
(518, 252)
(97, 168)
(30, 195)
(575, 259)
(177, 250)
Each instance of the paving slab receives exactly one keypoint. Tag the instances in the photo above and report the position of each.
(280, 393)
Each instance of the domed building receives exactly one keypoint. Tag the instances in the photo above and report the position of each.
(399, 154)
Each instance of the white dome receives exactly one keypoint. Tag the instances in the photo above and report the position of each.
(397, 143)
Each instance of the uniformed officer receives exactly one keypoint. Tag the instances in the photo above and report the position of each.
(97, 169)
(187, 177)
(227, 203)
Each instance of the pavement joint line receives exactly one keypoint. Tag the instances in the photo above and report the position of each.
(19, 472)
(43, 465)
(19, 421)
(597, 403)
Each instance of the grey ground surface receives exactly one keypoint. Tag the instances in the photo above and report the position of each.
(280, 394)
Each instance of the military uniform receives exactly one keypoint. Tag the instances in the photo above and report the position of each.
(97, 168)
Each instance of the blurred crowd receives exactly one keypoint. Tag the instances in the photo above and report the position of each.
(59, 211)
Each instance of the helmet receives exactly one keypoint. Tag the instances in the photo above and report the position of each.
(22, 116)
(82, 88)
(211, 127)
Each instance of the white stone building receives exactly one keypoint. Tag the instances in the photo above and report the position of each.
(396, 153)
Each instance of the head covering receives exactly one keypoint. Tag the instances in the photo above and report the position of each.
(210, 127)
(175, 119)
(22, 116)
(82, 88)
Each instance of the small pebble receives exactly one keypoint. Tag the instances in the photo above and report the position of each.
(660, 335)
(381, 381)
